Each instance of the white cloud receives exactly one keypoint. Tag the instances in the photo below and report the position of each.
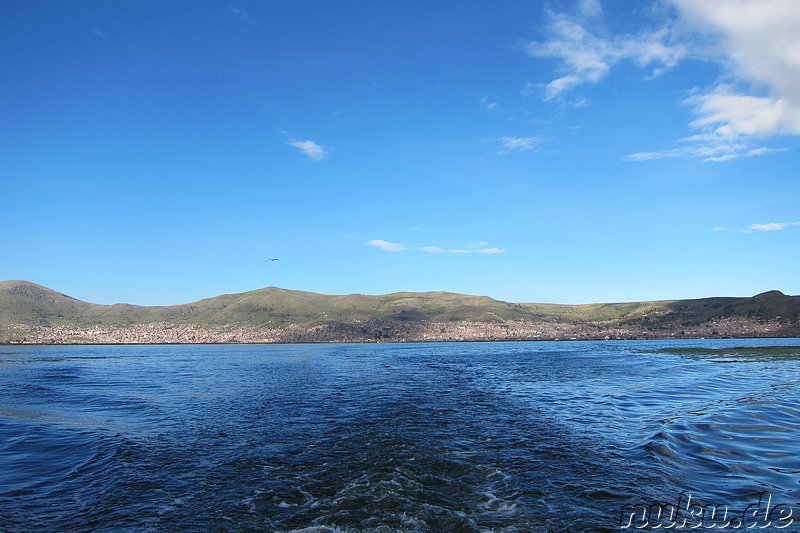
(763, 150)
(477, 247)
(587, 58)
(651, 156)
(755, 42)
(388, 246)
(710, 148)
(472, 248)
(520, 143)
(772, 226)
(759, 38)
(719, 228)
(729, 114)
(310, 148)
(438, 250)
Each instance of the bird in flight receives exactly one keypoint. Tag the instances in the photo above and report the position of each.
(272, 259)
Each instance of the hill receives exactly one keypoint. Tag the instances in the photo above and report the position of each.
(27, 308)
(26, 303)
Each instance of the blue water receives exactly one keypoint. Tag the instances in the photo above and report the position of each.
(461, 437)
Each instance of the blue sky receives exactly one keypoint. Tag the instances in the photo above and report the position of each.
(158, 153)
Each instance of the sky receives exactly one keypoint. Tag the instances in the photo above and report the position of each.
(576, 151)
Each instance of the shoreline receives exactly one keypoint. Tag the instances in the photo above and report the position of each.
(487, 341)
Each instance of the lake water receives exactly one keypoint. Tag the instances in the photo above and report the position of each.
(459, 437)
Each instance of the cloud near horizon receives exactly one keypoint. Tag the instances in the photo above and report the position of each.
(772, 226)
(395, 247)
(754, 41)
(437, 250)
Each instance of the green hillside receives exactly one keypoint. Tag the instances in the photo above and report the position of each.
(25, 303)
(22, 302)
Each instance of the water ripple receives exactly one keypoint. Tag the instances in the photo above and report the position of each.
(511, 437)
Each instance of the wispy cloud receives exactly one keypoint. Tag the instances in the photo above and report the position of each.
(310, 148)
(522, 144)
(772, 226)
(475, 247)
(244, 15)
(100, 34)
(754, 41)
(707, 147)
(438, 250)
(479, 247)
(385, 245)
(588, 58)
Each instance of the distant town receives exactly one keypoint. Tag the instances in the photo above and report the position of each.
(393, 331)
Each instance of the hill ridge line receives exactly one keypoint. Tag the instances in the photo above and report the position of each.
(33, 313)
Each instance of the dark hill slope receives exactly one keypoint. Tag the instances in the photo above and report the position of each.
(765, 306)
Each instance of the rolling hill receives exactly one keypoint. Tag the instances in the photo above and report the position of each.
(25, 304)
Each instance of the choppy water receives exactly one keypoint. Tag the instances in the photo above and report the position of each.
(510, 437)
